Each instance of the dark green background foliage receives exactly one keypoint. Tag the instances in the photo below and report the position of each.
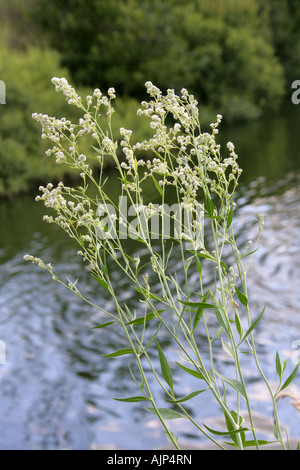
(220, 50)
(238, 58)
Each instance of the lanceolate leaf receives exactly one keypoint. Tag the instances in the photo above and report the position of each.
(197, 304)
(290, 378)
(225, 433)
(218, 332)
(203, 255)
(230, 216)
(166, 413)
(238, 421)
(254, 324)
(142, 320)
(165, 368)
(121, 352)
(157, 185)
(238, 323)
(152, 337)
(132, 399)
(199, 266)
(195, 373)
(278, 365)
(242, 298)
(227, 348)
(222, 319)
(209, 206)
(187, 397)
(199, 314)
(234, 383)
(101, 282)
(104, 325)
(252, 443)
(197, 318)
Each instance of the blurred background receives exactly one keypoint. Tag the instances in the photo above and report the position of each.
(239, 58)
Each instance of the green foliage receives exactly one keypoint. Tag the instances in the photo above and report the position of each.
(26, 75)
(221, 51)
(284, 26)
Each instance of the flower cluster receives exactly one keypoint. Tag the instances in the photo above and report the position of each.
(183, 156)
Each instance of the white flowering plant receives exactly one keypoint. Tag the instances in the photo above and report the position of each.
(186, 165)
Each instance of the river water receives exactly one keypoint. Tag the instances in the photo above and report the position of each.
(55, 387)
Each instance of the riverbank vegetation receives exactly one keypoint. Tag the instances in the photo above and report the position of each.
(236, 57)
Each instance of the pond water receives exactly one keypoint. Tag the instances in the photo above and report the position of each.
(55, 387)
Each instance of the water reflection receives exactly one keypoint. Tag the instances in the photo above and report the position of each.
(56, 389)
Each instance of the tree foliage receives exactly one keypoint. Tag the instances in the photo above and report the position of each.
(221, 51)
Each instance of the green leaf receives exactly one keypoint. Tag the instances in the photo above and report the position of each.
(203, 255)
(222, 319)
(233, 383)
(166, 413)
(238, 324)
(225, 433)
(187, 397)
(142, 320)
(152, 338)
(260, 442)
(230, 217)
(197, 318)
(209, 206)
(250, 253)
(120, 352)
(199, 266)
(195, 373)
(104, 325)
(156, 297)
(290, 378)
(164, 365)
(218, 332)
(227, 348)
(199, 313)
(132, 399)
(242, 298)
(278, 365)
(238, 421)
(252, 443)
(158, 187)
(197, 304)
(104, 268)
(101, 281)
(224, 265)
(254, 324)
